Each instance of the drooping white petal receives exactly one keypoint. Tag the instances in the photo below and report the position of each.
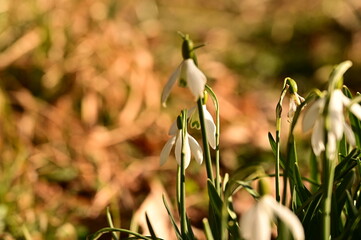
(187, 151)
(317, 138)
(173, 128)
(166, 150)
(286, 216)
(336, 113)
(350, 136)
(210, 127)
(331, 145)
(291, 110)
(312, 114)
(196, 150)
(298, 99)
(356, 110)
(170, 84)
(179, 150)
(295, 101)
(196, 80)
(178, 147)
(255, 224)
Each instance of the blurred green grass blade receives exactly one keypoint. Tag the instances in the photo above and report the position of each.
(347, 164)
(358, 196)
(339, 203)
(110, 222)
(190, 234)
(343, 147)
(230, 221)
(214, 199)
(100, 232)
(207, 229)
(314, 172)
(282, 160)
(341, 192)
(292, 172)
(312, 217)
(176, 229)
(246, 186)
(215, 210)
(150, 228)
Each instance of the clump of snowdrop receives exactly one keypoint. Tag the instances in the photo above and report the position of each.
(326, 117)
(187, 73)
(189, 144)
(256, 223)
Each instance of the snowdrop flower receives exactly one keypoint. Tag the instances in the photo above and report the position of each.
(337, 126)
(191, 147)
(187, 73)
(209, 124)
(295, 101)
(255, 224)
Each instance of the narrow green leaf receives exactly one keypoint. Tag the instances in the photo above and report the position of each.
(150, 228)
(176, 229)
(215, 210)
(110, 222)
(100, 232)
(214, 199)
(207, 229)
(247, 187)
(314, 172)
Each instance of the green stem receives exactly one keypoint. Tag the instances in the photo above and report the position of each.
(278, 137)
(183, 215)
(328, 178)
(207, 153)
(216, 105)
(110, 222)
(99, 233)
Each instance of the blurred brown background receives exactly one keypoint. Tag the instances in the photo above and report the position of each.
(81, 126)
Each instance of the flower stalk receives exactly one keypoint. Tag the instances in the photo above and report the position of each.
(217, 163)
(182, 167)
(207, 153)
(278, 137)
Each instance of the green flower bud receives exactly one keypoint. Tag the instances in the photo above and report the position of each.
(293, 85)
(187, 48)
(263, 187)
(179, 122)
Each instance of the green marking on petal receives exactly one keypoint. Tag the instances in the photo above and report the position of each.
(182, 82)
(195, 124)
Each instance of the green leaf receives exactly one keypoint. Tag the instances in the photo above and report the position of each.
(100, 232)
(207, 229)
(246, 185)
(150, 227)
(176, 229)
(215, 210)
(314, 172)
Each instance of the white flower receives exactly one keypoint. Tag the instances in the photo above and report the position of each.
(336, 122)
(255, 224)
(189, 75)
(209, 124)
(295, 101)
(191, 147)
